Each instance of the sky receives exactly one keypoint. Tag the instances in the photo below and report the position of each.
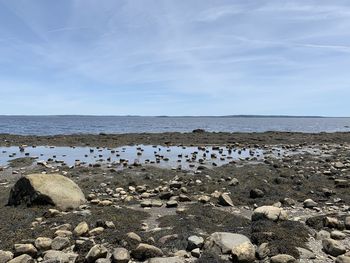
(175, 57)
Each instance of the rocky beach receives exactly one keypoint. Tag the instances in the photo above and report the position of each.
(228, 197)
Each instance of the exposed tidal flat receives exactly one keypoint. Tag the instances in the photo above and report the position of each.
(175, 197)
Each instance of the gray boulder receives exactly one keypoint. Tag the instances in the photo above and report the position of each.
(5, 256)
(144, 251)
(52, 189)
(269, 212)
(223, 242)
(22, 259)
(333, 247)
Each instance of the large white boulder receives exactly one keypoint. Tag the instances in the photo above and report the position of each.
(43, 189)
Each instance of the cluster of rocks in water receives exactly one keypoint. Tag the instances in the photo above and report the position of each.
(80, 242)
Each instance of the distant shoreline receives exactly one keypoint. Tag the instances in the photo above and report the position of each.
(179, 116)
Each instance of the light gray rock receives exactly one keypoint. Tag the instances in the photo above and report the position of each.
(225, 200)
(263, 251)
(283, 258)
(309, 203)
(59, 243)
(305, 253)
(96, 252)
(56, 256)
(43, 243)
(28, 249)
(223, 242)
(194, 242)
(347, 222)
(269, 212)
(166, 260)
(103, 260)
(333, 247)
(338, 235)
(196, 253)
(342, 259)
(22, 259)
(5, 256)
(81, 229)
(120, 255)
(323, 234)
(53, 189)
(144, 251)
(244, 253)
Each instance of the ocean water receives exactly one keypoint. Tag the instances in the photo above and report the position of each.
(51, 125)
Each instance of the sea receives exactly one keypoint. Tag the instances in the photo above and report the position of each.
(54, 125)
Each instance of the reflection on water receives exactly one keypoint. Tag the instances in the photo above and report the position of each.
(167, 157)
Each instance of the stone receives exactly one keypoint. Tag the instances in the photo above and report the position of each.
(244, 252)
(22, 259)
(204, 199)
(144, 251)
(196, 253)
(56, 256)
(331, 222)
(263, 251)
(96, 231)
(223, 242)
(96, 252)
(5, 256)
(283, 258)
(133, 237)
(305, 254)
(338, 235)
(333, 247)
(194, 242)
(48, 189)
(28, 249)
(339, 165)
(342, 259)
(120, 255)
(256, 193)
(269, 212)
(323, 234)
(233, 182)
(43, 243)
(225, 200)
(59, 243)
(309, 203)
(347, 222)
(166, 260)
(81, 229)
(63, 233)
(103, 260)
(171, 203)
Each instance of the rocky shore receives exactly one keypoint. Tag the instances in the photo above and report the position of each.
(280, 208)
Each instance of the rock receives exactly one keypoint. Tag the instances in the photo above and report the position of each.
(244, 252)
(144, 251)
(56, 256)
(225, 200)
(282, 258)
(171, 203)
(337, 235)
(331, 222)
(342, 259)
(28, 249)
(5, 256)
(341, 183)
(43, 243)
(133, 237)
(233, 182)
(339, 165)
(305, 254)
(52, 189)
(309, 203)
(22, 259)
(223, 242)
(204, 199)
(194, 242)
(269, 212)
(96, 231)
(120, 255)
(103, 260)
(347, 222)
(81, 229)
(96, 252)
(333, 247)
(196, 253)
(263, 251)
(166, 260)
(184, 198)
(59, 243)
(63, 233)
(323, 234)
(256, 193)
(167, 238)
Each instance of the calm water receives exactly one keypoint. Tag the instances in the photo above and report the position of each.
(51, 125)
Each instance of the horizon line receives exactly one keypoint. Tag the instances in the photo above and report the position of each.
(176, 116)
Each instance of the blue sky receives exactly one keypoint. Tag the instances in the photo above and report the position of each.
(175, 57)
